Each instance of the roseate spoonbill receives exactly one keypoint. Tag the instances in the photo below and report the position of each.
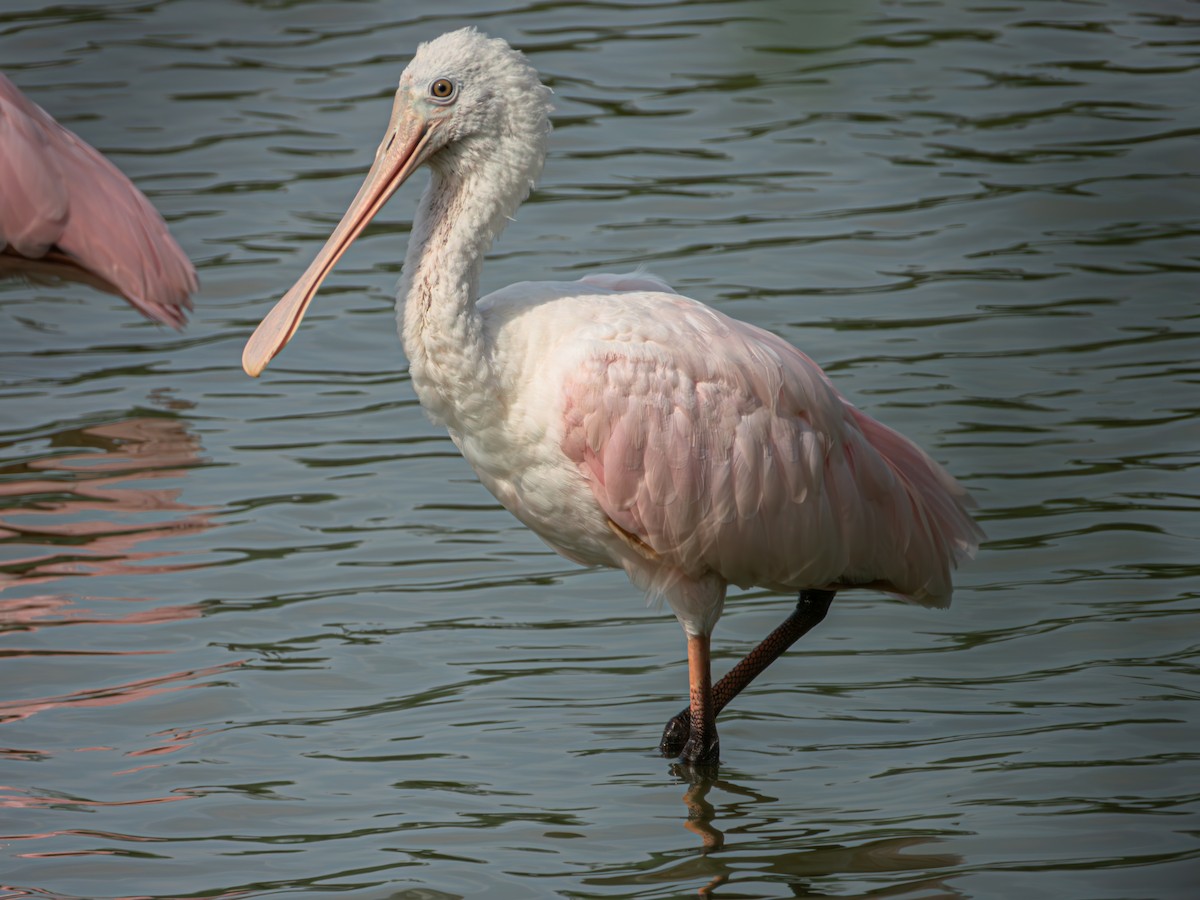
(68, 213)
(629, 426)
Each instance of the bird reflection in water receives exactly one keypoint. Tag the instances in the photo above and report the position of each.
(813, 854)
(93, 512)
(700, 812)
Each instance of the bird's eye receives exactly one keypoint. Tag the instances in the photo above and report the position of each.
(443, 90)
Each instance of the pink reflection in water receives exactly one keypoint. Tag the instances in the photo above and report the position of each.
(100, 508)
(95, 512)
(16, 798)
(112, 695)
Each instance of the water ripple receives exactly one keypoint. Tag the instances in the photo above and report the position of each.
(290, 604)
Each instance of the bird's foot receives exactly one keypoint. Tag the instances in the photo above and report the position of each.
(694, 747)
(676, 734)
(702, 750)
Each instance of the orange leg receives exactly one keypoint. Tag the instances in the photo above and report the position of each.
(810, 610)
(703, 746)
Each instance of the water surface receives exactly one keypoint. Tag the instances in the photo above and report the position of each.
(270, 638)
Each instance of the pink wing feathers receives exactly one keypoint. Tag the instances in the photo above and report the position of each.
(723, 449)
(67, 212)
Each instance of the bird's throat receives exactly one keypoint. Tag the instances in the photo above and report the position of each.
(442, 330)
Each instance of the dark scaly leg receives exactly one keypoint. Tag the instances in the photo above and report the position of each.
(810, 610)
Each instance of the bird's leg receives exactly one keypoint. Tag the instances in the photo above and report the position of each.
(810, 610)
(702, 746)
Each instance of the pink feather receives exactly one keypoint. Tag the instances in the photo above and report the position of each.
(727, 451)
(68, 213)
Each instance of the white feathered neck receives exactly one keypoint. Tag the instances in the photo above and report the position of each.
(493, 154)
